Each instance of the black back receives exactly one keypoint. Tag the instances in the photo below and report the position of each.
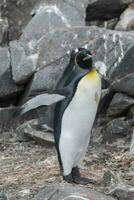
(69, 81)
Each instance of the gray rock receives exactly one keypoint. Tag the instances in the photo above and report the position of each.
(109, 24)
(30, 130)
(78, 5)
(117, 127)
(119, 104)
(132, 144)
(8, 88)
(110, 47)
(122, 78)
(3, 30)
(23, 66)
(111, 8)
(123, 192)
(66, 191)
(131, 112)
(8, 122)
(126, 22)
(17, 12)
(3, 196)
(59, 13)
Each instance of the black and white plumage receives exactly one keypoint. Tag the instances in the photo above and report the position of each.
(75, 112)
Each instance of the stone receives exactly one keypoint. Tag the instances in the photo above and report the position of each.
(111, 48)
(131, 112)
(117, 126)
(40, 47)
(66, 191)
(64, 12)
(122, 79)
(7, 86)
(30, 130)
(126, 22)
(111, 8)
(23, 66)
(18, 15)
(3, 30)
(109, 24)
(3, 196)
(132, 144)
(8, 122)
(24, 193)
(123, 192)
(120, 104)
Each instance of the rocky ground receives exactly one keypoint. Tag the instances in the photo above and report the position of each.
(33, 60)
(28, 167)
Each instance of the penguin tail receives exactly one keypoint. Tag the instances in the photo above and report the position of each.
(37, 101)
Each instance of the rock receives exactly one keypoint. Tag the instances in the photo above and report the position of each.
(3, 30)
(122, 79)
(119, 104)
(111, 48)
(126, 22)
(118, 127)
(59, 13)
(40, 47)
(132, 144)
(66, 191)
(108, 179)
(17, 12)
(8, 88)
(111, 8)
(8, 122)
(24, 193)
(131, 112)
(23, 66)
(123, 192)
(109, 24)
(3, 196)
(29, 130)
(78, 5)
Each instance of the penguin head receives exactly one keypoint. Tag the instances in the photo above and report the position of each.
(83, 58)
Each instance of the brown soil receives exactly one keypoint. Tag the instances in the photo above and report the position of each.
(26, 167)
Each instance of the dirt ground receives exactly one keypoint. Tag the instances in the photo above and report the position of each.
(26, 167)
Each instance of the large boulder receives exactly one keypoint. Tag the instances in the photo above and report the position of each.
(3, 30)
(66, 191)
(122, 78)
(18, 15)
(126, 22)
(23, 66)
(119, 105)
(41, 49)
(7, 87)
(111, 8)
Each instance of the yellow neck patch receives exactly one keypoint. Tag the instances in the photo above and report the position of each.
(91, 74)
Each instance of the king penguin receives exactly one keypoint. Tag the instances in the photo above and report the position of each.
(75, 115)
(77, 100)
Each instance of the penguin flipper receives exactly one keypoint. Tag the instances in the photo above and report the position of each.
(39, 100)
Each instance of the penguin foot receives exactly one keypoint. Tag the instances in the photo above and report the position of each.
(68, 178)
(81, 180)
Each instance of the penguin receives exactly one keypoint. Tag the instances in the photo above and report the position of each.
(75, 115)
(78, 96)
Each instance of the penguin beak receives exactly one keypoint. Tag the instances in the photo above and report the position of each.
(87, 57)
(101, 69)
